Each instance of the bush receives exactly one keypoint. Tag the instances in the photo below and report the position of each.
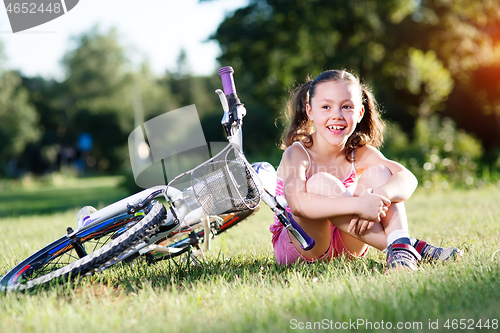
(440, 155)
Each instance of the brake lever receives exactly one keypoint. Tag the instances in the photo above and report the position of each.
(223, 101)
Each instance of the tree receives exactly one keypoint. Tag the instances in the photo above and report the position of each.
(420, 57)
(45, 95)
(18, 118)
(465, 34)
(274, 45)
(107, 97)
(98, 92)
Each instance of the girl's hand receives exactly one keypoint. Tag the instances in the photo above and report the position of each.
(372, 208)
(358, 225)
(364, 225)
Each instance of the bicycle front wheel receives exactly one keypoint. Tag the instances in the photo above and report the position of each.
(86, 252)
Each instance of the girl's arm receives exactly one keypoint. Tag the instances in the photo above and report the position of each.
(313, 206)
(400, 185)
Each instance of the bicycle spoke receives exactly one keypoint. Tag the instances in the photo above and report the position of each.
(90, 244)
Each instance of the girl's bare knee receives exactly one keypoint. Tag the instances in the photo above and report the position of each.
(373, 177)
(324, 183)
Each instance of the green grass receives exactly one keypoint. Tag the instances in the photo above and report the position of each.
(61, 195)
(242, 289)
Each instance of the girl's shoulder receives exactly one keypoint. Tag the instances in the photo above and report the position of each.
(294, 155)
(367, 156)
(366, 151)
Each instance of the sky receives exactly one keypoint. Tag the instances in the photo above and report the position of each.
(152, 30)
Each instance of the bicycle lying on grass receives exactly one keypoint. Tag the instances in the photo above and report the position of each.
(223, 191)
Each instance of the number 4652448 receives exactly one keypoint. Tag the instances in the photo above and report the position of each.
(33, 8)
(470, 324)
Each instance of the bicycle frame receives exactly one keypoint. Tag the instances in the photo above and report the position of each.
(179, 213)
(123, 205)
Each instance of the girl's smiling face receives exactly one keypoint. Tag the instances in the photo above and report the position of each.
(336, 109)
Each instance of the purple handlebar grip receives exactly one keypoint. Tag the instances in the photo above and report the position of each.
(309, 241)
(226, 74)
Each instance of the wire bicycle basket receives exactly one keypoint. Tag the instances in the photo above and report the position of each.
(225, 183)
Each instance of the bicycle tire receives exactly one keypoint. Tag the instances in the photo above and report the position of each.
(21, 276)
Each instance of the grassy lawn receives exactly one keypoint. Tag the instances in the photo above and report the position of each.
(242, 289)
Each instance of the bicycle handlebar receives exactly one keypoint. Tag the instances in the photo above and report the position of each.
(226, 74)
(233, 117)
(278, 206)
(235, 106)
(306, 241)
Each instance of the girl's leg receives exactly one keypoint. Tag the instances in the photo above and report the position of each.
(373, 177)
(377, 176)
(400, 253)
(328, 185)
(395, 219)
(319, 230)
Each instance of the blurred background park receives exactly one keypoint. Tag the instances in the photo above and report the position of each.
(434, 66)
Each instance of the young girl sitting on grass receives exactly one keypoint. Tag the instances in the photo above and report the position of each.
(339, 187)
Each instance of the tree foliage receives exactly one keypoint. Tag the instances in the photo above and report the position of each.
(18, 119)
(96, 71)
(415, 54)
(465, 35)
(422, 58)
(103, 95)
(99, 91)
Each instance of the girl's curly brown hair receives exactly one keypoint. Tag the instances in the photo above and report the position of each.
(369, 131)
